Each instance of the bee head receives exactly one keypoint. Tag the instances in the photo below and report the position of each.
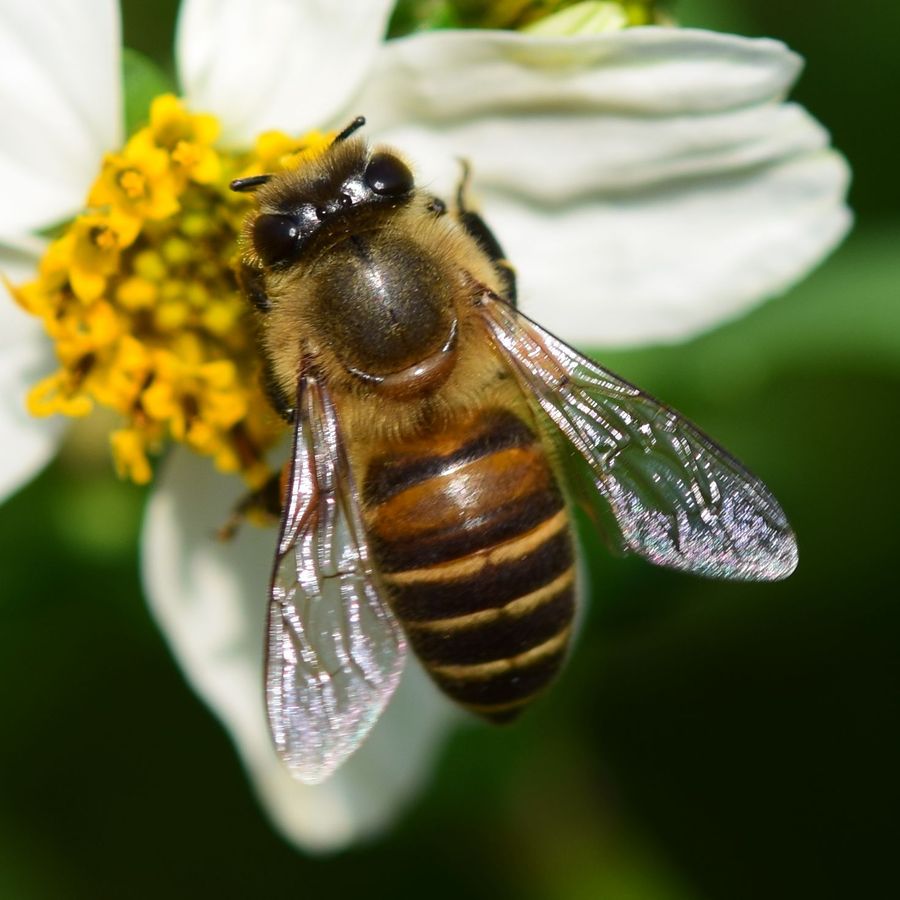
(337, 193)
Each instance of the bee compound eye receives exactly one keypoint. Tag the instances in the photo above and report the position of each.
(388, 176)
(275, 237)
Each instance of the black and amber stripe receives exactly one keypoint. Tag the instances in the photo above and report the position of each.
(470, 532)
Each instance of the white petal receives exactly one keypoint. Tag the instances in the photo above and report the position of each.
(60, 103)
(289, 64)
(559, 158)
(25, 357)
(662, 265)
(559, 119)
(440, 76)
(210, 601)
(646, 184)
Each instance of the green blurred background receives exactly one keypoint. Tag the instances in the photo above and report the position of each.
(708, 740)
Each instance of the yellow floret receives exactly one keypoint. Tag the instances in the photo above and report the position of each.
(58, 393)
(130, 455)
(134, 293)
(136, 185)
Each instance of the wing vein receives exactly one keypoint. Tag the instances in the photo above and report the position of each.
(661, 486)
(335, 650)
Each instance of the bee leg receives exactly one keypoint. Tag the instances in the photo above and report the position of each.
(276, 395)
(262, 507)
(478, 229)
(251, 282)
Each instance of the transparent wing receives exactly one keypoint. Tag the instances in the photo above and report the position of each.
(663, 488)
(335, 651)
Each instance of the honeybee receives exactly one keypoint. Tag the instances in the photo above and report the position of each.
(438, 433)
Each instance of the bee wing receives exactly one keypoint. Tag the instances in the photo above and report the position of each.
(335, 650)
(663, 488)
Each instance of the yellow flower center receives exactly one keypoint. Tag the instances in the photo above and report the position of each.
(139, 297)
(133, 184)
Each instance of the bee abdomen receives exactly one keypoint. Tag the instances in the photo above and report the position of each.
(470, 532)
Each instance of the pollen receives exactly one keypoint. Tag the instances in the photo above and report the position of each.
(139, 297)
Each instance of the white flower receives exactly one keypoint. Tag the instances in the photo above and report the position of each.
(647, 183)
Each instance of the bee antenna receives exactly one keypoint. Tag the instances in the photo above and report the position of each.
(242, 185)
(355, 125)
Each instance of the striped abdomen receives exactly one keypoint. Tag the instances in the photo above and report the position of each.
(470, 532)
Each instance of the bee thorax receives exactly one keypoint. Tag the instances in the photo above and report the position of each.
(385, 303)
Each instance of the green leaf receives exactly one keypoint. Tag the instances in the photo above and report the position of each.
(143, 80)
